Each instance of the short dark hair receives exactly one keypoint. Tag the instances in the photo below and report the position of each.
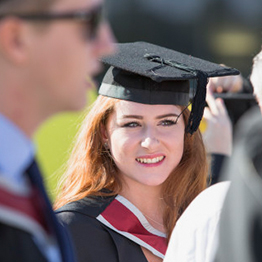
(19, 6)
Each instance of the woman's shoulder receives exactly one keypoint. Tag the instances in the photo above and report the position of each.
(90, 206)
(87, 232)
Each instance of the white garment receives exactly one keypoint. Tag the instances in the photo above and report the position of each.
(16, 152)
(195, 236)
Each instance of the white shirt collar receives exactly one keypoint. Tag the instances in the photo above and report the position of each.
(16, 150)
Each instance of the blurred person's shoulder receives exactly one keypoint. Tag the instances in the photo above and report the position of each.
(206, 205)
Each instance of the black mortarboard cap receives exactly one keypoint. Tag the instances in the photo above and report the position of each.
(145, 73)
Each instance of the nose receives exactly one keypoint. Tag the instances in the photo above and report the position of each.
(105, 40)
(150, 143)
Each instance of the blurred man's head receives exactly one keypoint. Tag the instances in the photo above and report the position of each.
(48, 49)
(256, 78)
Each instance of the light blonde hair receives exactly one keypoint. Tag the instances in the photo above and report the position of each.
(91, 169)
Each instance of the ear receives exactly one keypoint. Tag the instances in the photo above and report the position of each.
(104, 133)
(12, 40)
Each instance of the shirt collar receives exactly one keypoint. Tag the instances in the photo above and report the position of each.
(16, 150)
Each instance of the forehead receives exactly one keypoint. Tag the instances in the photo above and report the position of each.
(124, 107)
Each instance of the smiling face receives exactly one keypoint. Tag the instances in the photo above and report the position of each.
(145, 141)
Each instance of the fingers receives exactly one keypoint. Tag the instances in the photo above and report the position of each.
(221, 106)
(226, 84)
(221, 84)
(217, 135)
(211, 101)
(216, 106)
(216, 84)
(207, 114)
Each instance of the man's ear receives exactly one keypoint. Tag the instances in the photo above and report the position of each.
(12, 40)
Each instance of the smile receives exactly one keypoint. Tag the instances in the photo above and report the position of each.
(150, 160)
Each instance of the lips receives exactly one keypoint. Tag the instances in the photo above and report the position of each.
(150, 160)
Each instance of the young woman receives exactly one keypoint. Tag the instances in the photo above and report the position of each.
(134, 169)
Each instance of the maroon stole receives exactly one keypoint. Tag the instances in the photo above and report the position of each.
(124, 218)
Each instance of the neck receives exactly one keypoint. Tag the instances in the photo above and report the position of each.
(148, 200)
(21, 108)
(25, 121)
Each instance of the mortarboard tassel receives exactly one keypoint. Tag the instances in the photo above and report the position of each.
(199, 98)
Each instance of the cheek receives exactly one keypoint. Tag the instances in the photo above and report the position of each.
(181, 148)
(176, 143)
(121, 145)
(69, 53)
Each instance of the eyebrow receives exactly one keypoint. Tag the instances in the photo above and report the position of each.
(132, 116)
(158, 117)
(167, 115)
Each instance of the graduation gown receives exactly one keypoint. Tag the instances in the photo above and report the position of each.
(97, 241)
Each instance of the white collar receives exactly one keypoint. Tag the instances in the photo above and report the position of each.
(16, 150)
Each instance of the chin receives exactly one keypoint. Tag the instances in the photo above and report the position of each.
(155, 183)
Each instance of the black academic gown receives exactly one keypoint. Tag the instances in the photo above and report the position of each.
(94, 242)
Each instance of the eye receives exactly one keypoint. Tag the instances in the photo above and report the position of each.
(168, 122)
(131, 124)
